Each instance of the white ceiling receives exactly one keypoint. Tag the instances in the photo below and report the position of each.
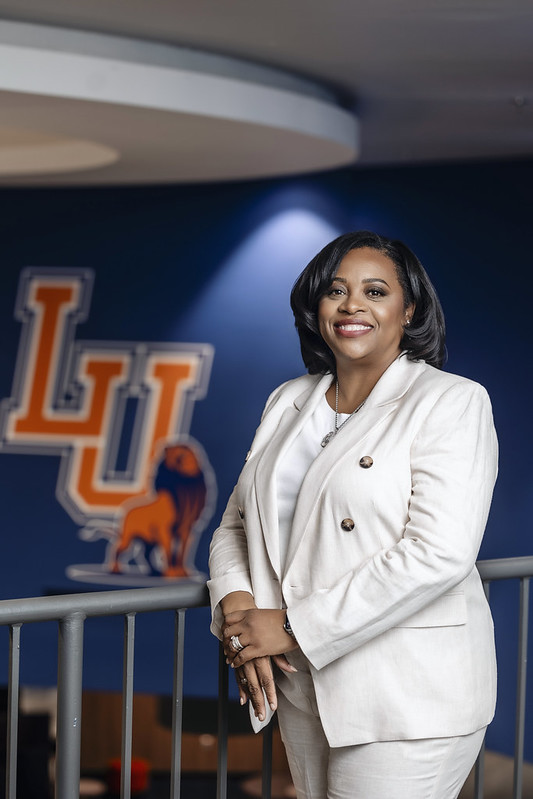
(428, 80)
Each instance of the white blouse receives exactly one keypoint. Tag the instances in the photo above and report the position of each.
(293, 467)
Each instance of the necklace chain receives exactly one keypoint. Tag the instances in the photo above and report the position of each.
(327, 438)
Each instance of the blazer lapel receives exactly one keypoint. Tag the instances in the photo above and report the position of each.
(381, 402)
(291, 422)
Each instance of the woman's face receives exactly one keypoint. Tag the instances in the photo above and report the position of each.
(362, 315)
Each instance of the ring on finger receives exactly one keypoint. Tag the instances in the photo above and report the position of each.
(243, 681)
(235, 643)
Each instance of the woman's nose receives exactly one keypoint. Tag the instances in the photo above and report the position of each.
(352, 303)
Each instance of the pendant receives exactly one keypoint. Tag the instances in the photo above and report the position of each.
(327, 438)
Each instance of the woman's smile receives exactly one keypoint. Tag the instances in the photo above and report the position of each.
(352, 329)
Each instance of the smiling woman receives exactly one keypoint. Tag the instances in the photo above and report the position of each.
(345, 560)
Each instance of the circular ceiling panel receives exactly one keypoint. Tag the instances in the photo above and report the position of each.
(172, 114)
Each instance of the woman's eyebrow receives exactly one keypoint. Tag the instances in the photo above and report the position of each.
(375, 280)
(365, 280)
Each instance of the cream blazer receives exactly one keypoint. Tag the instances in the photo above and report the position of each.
(379, 580)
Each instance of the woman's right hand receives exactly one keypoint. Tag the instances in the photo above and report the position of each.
(256, 675)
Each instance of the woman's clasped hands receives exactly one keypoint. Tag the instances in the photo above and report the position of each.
(251, 638)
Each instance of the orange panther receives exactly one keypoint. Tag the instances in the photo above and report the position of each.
(167, 521)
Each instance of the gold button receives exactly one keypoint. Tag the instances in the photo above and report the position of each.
(366, 462)
(347, 524)
(241, 512)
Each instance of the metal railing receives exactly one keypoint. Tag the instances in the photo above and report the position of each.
(71, 611)
(506, 569)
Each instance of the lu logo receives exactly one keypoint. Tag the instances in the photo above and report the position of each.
(73, 398)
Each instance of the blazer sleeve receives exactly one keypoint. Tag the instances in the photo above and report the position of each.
(228, 553)
(228, 562)
(453, 468)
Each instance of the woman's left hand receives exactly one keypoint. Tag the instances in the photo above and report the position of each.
(259, 631)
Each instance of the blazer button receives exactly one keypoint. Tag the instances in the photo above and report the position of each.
(366, 462)
(347, 525)
(241, 512)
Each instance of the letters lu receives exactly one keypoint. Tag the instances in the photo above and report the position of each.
(74, 398)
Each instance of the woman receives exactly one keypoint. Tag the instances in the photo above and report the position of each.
(347, 552)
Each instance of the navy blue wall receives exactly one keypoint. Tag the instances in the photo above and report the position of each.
(215, 264)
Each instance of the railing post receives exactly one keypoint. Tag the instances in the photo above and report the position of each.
(127, 706)
(13, 711)
(521, 689)
(222, 743)
(479, 774)
(69, 680)
(266, 775)
(177, 704)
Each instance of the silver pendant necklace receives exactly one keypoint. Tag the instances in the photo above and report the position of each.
(327, 438)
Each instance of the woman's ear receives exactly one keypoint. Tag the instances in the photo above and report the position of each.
(409, 313)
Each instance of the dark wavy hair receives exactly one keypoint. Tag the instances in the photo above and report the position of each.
(424, 339)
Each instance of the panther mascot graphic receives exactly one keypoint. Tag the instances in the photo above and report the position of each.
(165, 520)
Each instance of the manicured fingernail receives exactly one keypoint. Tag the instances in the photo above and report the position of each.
(272, 706)
(261, 717)
(243, 700)
(232, 665)
(293, 669)
(227, 661)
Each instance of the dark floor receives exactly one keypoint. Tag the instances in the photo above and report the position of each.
(197, 786)
(193, 786)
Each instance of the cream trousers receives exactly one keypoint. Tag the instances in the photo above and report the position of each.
(430, 768)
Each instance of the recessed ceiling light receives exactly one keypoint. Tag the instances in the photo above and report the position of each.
(31, 152)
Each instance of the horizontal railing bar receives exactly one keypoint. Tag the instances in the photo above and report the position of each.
(177, 595)
(505, 568)
(104, 603)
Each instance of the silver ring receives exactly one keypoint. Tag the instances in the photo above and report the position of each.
(243, 681)
(235, 643)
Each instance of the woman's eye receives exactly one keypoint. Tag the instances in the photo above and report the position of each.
(335, 291)
(373, 292)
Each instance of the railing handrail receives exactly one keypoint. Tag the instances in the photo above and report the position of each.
(104, 603)
(177, 595)
(505, 568)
